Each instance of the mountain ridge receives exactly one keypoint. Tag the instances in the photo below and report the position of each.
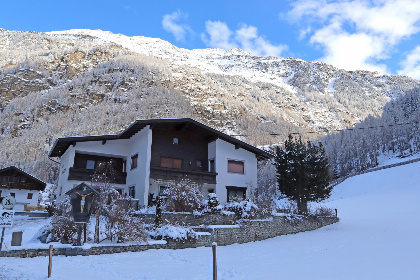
(57, 79)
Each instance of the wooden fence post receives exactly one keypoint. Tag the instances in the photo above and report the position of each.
(214, 246)
(50, 261)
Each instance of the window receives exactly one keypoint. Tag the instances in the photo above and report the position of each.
(30, 195)
(199, 163)
(236, 166)
(23, 179)
(210, 190)
(12, 194)
(235, 193)
(132, 191)
(0, 193)
(175, 141)
(171, 162)
(162, 190)
(124, 166)
(134, 161)
(90, 164)
(16, 179)
(212, 167)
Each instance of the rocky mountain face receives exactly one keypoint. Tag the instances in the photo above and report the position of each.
(82, 82)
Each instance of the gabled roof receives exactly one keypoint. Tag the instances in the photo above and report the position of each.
(13, 168)
(82, 186)
(62, 144)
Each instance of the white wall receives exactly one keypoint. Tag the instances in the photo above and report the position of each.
(141, 144)
(117, 148)
(21, 197)
(223, 151)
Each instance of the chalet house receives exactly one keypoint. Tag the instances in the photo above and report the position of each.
(24, 187)
(150, 154)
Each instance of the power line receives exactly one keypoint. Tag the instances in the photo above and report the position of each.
(338, 130)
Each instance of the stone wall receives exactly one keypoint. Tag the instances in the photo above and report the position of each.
(190, 219)
(247, 231)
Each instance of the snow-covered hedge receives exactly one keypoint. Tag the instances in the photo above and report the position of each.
(243, 209)
(176, 233)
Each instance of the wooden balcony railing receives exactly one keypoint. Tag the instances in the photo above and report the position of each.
(179, 174)
(87, 175)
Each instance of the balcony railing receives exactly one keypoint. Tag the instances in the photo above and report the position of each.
(178, 174)
(88, 175)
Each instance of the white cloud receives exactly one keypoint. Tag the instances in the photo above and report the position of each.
(411, 65)
(357, 34)
(246, 38)
(220, 35)
(169, 23)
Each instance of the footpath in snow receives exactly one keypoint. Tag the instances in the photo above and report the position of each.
(376, 238)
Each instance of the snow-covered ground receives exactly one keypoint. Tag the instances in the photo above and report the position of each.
(376, 238)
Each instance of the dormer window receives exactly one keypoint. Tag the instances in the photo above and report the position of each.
(175, 141)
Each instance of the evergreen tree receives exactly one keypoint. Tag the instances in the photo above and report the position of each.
(302, 172)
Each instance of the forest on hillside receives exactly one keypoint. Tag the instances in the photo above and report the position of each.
(395, 133)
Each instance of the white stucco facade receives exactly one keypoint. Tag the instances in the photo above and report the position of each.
(21, 197)
(139, 178)
(222, 151)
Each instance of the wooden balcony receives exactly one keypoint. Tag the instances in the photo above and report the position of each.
(87, 175)
(179, 174)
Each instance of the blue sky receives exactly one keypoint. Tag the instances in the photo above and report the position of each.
(381, 35)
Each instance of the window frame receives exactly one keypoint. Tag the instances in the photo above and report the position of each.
(132, 191)
(161, 191)
(236, 189)
(236, 161)
(31, 196)
(173, 162)
(136, 157)
(94, 164)
(214, 165)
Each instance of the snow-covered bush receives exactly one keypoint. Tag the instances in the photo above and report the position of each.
(176, 233)
(243, 209)
(62, 222)
(183, 196)
(287, 206)
(211, 205)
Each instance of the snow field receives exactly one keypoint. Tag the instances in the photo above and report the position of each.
(376, 238)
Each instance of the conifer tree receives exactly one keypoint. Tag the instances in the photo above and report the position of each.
(302, 172)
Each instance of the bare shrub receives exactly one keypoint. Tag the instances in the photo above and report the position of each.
(264, 193)
(121, 224)
(62, 222)
(182, 196)
(322, 211)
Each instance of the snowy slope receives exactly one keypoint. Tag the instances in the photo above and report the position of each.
(377, 238)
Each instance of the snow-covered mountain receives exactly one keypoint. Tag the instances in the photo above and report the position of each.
(92, 82)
